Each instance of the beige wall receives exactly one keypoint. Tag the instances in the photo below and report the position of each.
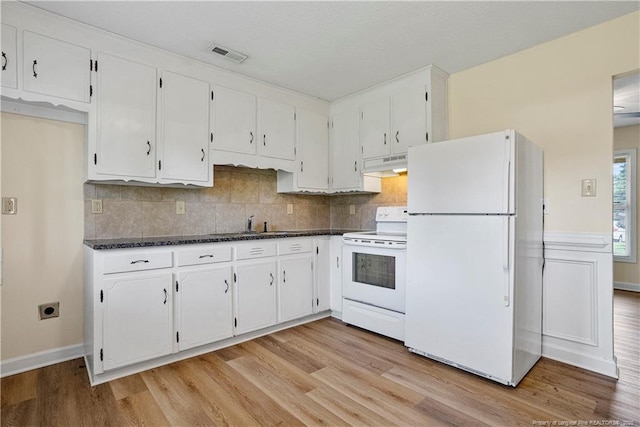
(628, 137)
(559, 95)
(42, 165)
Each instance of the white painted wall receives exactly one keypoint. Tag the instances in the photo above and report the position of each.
(42, 165)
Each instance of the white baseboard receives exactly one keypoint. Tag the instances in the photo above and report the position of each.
(581, 360)
(38, 360)
(625, 286)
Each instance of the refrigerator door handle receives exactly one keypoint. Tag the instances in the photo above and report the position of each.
(505, 260)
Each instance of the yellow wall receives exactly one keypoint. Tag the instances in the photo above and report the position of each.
(628, 137)
(559, 95)
(42, 165)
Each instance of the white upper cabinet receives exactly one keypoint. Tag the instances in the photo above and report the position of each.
(9, 57)
(408, 118)
(345, 151)
(375, 118)
(184, 129)
(277, 130)
(56, 68)
(392, 125)
(234, 121)
(313, 150)
(126, 131)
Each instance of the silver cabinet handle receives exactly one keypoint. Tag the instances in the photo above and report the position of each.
(397, 140)
(202, 158)
(271, 283)
(226, 283)
(5, 61)
(148, 148)
(33, 67)
(165, 296)
(206, 256)
(251, 140)
(139, 261)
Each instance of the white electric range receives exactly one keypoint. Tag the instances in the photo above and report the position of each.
(374, 274)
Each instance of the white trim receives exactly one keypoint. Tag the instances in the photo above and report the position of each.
(625, 286)
(587, 242)
(42, 110)
(630, 154)
(21, 364)
(581, 360)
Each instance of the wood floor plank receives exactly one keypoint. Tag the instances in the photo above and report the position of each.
(127, 386)
(253, 400)
(18, 388)
(286, 394)
(282, 350)
(141, 409)
(24, 413)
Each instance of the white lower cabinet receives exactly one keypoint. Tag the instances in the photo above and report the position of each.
(203, 306)
(295, 287)
(255, 292)
(137, 318)
(150, 306)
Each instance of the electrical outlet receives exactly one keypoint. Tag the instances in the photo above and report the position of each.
(180, 207)
(352, 209)
(9, 205)
(289, 209)
(588, 187)
(96, 206)
(49, 310)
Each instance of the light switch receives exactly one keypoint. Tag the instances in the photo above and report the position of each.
(180, 207)
(588, 187)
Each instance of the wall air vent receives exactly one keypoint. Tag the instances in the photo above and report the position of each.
(229, 54)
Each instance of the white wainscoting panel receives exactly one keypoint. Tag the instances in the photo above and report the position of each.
(577, 317)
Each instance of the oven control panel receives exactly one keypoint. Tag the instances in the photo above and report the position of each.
(392, 214)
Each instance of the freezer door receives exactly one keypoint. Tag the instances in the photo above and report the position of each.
(459, 291)
(468, 175)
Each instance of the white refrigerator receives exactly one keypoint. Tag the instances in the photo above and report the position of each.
(475, 255)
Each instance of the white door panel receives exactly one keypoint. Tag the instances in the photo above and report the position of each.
(458, 277)
(468, 175)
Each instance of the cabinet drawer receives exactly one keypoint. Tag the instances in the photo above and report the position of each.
(122, 263)
(256, 250)
(204, 255)
(295, 246)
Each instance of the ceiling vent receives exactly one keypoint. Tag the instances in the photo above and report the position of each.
(232, 56)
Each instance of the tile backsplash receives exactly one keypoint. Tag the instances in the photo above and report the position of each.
(135, 211)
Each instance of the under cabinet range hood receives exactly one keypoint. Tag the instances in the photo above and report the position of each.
(385, 166)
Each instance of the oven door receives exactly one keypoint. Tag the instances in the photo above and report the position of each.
(375, 275)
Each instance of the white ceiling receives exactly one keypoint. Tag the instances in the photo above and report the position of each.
(626, 94)
(330, 49)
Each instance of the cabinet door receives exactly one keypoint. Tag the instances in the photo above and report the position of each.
(184, 128)
(313, 150)
(295, 294)
(126, 99)
(255, 295)
(53, 67)
(323, 272)
(277, 130)
(9, 57)
(205, 307)
(409, 124)
(345, 151)
(336, 274)
(137, 319)
(234, 121)
(375, 129)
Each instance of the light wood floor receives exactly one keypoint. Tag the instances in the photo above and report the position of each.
(326, 373)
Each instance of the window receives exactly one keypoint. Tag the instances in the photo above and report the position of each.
(624, 205)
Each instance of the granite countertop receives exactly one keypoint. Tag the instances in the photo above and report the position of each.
(143, 242)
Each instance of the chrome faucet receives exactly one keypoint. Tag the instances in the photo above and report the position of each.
(249, 221)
